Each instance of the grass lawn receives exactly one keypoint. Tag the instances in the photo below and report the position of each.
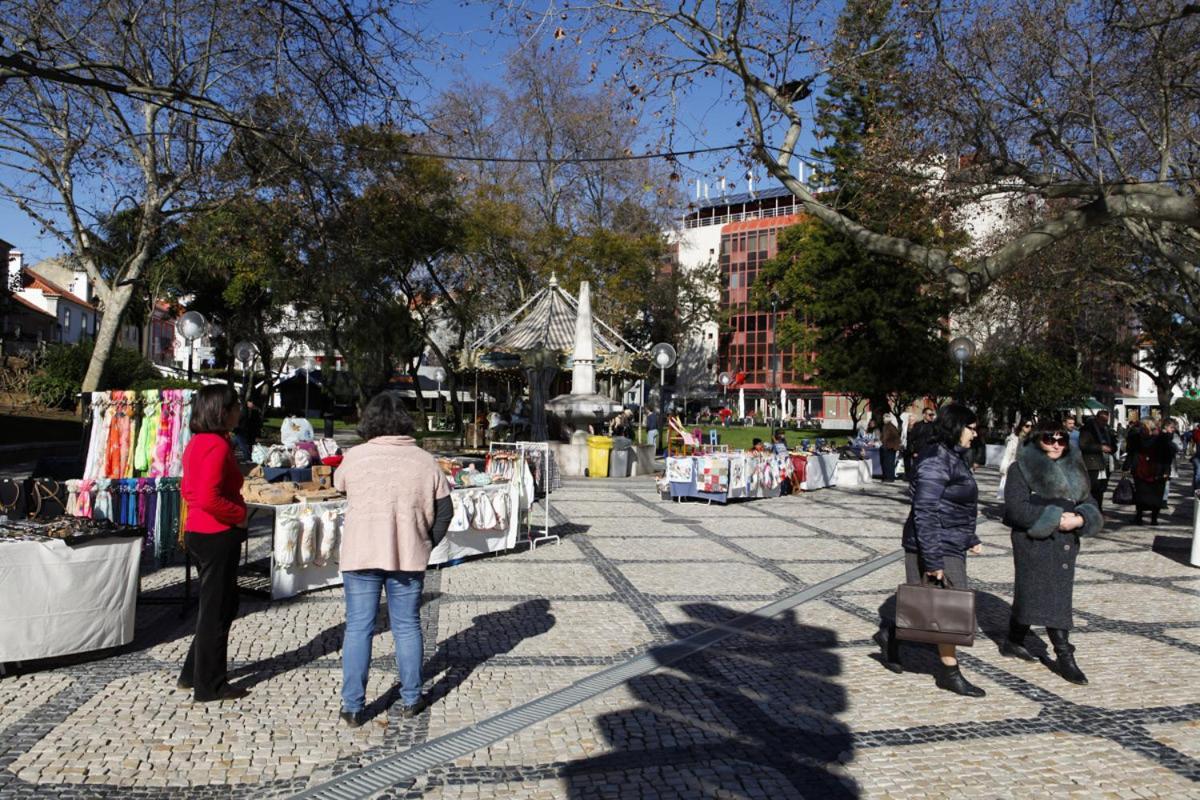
(739, 438)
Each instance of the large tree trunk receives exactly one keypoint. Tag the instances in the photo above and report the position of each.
(1163, 389)
(106, 337)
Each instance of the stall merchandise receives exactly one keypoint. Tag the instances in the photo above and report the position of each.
(138, 434)
(153, 504)
(820, 471)
(720, 477)
(66, 586)
(537, 460)
(306, 539)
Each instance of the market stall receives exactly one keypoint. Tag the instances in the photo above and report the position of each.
(721, 477)
(66, 587)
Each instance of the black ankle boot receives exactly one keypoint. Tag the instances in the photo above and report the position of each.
(1064, 652)
(951, 679)
(885, 637)
(1014, 645)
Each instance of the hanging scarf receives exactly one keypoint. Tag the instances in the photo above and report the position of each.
(143, 454)
(167, 422)
(99, 435)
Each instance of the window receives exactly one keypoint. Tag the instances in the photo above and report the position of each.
(67, 320)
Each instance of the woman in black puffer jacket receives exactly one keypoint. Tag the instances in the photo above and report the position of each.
(940, 530)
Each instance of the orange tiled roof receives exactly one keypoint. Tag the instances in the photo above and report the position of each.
(54, 290)
(31, 306)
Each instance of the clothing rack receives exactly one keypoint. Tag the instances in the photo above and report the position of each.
(543, 449)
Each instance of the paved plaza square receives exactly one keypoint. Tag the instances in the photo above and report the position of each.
(645, 678)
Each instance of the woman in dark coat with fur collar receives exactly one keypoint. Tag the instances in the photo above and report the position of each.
(1049, 505)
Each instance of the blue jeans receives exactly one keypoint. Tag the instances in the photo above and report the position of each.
(403, 590)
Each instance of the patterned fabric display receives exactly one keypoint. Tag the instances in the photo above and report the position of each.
(713, 475)
(679, 470)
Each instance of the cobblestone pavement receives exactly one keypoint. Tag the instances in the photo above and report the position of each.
(796, 705)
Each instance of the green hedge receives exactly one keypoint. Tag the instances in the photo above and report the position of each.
(62, 367)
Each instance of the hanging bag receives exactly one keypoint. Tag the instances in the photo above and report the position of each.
(1123, 493)
(927, 612)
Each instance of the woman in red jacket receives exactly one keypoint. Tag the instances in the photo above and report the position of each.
(215, 530)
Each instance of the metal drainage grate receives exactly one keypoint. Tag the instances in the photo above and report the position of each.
(405, 766)
(680, 521)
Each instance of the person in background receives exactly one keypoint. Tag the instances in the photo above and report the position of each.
(978, 450)
(1070, 426)
(1016, 438)
(652, 426)
(398, 509)
(1097, 447)
(757, 446)
(214, 532)
(940, 530)
(248, 430)
(1048, 504)
(889, 440)
(918, 436)
(1149, 462)
(1171, 432)
(779, 446)
(1194, 446)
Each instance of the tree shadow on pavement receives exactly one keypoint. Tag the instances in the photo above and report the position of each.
(752, 715)
(490, 635)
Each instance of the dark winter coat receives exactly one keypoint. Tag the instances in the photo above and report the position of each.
(1037, 492)
(944, 506)
(1150, 494)
(1092, 440)
(919, 435)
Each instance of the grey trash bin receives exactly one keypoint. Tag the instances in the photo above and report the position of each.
(620, 461)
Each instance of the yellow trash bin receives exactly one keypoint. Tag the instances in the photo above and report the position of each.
(598, 450)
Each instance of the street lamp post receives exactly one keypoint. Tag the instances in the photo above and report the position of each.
(440, 375)
(243, 351)
(725, 379)
(962, 350)
(308, 365)
(191, 326)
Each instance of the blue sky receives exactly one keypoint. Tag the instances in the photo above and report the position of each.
(472, 45)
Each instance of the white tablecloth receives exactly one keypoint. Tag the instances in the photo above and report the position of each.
(475, 541)
(821, 471)
(56, 600)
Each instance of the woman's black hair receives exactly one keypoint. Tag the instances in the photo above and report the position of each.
(385, 415)
(210, 407)
(950, 421)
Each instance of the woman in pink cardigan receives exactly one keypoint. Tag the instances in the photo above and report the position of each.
(398, 510)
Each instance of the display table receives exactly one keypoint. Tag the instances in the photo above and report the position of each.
(291, 580)
(723, 477)
(820, 472)
(472, 541)
(853, 473)
(288, 580)
(56, 600)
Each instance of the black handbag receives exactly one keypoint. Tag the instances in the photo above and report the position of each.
(926, 612)
(47, 498)
(1123, 493)
(13, 498)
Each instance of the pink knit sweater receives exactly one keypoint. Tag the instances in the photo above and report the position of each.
(391, 485)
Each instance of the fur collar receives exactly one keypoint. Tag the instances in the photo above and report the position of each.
(1065, 478)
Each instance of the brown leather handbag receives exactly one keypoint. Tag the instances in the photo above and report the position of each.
(926, 612)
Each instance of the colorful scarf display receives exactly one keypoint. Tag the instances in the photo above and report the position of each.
(134, 463)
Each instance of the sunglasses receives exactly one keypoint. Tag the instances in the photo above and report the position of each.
(1059, 438)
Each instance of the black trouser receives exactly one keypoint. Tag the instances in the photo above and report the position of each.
(887, 463)
(908, 466)
(1099, 487)
(208, 658)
